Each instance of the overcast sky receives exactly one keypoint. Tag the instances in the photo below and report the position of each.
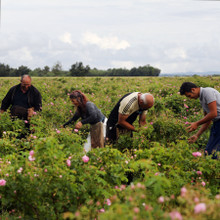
(172, 35)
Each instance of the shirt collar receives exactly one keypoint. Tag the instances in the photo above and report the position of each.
(201, 93)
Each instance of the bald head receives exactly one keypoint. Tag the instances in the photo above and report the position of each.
(146, 100)
(25, 77)
(25, 83)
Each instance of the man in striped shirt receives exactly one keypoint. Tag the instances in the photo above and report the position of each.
(125, 112)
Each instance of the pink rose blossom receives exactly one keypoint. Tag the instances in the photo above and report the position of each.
(20, 170)
(199, 172)
(199, 154)
(159, 164)
(102, 210)
(172, 196)
(196, 199)
(30, 158)
(186, 106)
(108, 202)
(77, 213)
(31, 153)
(201, 207)
(122, 187)
(183, 191)
(58, 131)
(217, 196)
(161, 199)
(2, 182)
(45, 170)
(139, 185)
(174, 215)
(76, 130)
(85, 159)
(25, 121)
(203, 183)
(196, 154)
(68, 163)
(132, 186)
(156, 174)
(136, 210)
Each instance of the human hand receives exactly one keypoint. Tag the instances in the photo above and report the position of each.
(193, 126)
(30, 112)
(193, 139)
(142, 123)
(78, 125)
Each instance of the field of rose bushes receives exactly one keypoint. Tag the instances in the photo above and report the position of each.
(154, 175)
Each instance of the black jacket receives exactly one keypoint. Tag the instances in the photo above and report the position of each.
(34, 98)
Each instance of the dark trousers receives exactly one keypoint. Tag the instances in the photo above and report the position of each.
(213, 145)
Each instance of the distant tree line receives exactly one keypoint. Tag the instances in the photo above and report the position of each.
(77, 69)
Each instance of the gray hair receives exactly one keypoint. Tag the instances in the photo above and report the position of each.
(24, 76)
(143, 97)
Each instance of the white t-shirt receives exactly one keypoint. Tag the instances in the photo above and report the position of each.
(208, 95)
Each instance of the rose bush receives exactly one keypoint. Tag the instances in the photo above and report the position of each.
(155, 174)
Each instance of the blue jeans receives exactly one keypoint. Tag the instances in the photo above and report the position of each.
(214, 140)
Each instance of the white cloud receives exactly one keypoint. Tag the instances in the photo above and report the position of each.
(22, 54)
(66, 38)
(172, 35)
(105, 42)
(175, 53)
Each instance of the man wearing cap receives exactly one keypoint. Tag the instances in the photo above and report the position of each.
(23, 98)
(126, 111)
(210, 101)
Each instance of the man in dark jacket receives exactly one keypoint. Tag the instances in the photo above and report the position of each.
(23, 98)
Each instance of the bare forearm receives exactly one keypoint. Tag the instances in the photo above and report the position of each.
(142, 119)
(126, 125)
(207, 118)
(203, 128)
